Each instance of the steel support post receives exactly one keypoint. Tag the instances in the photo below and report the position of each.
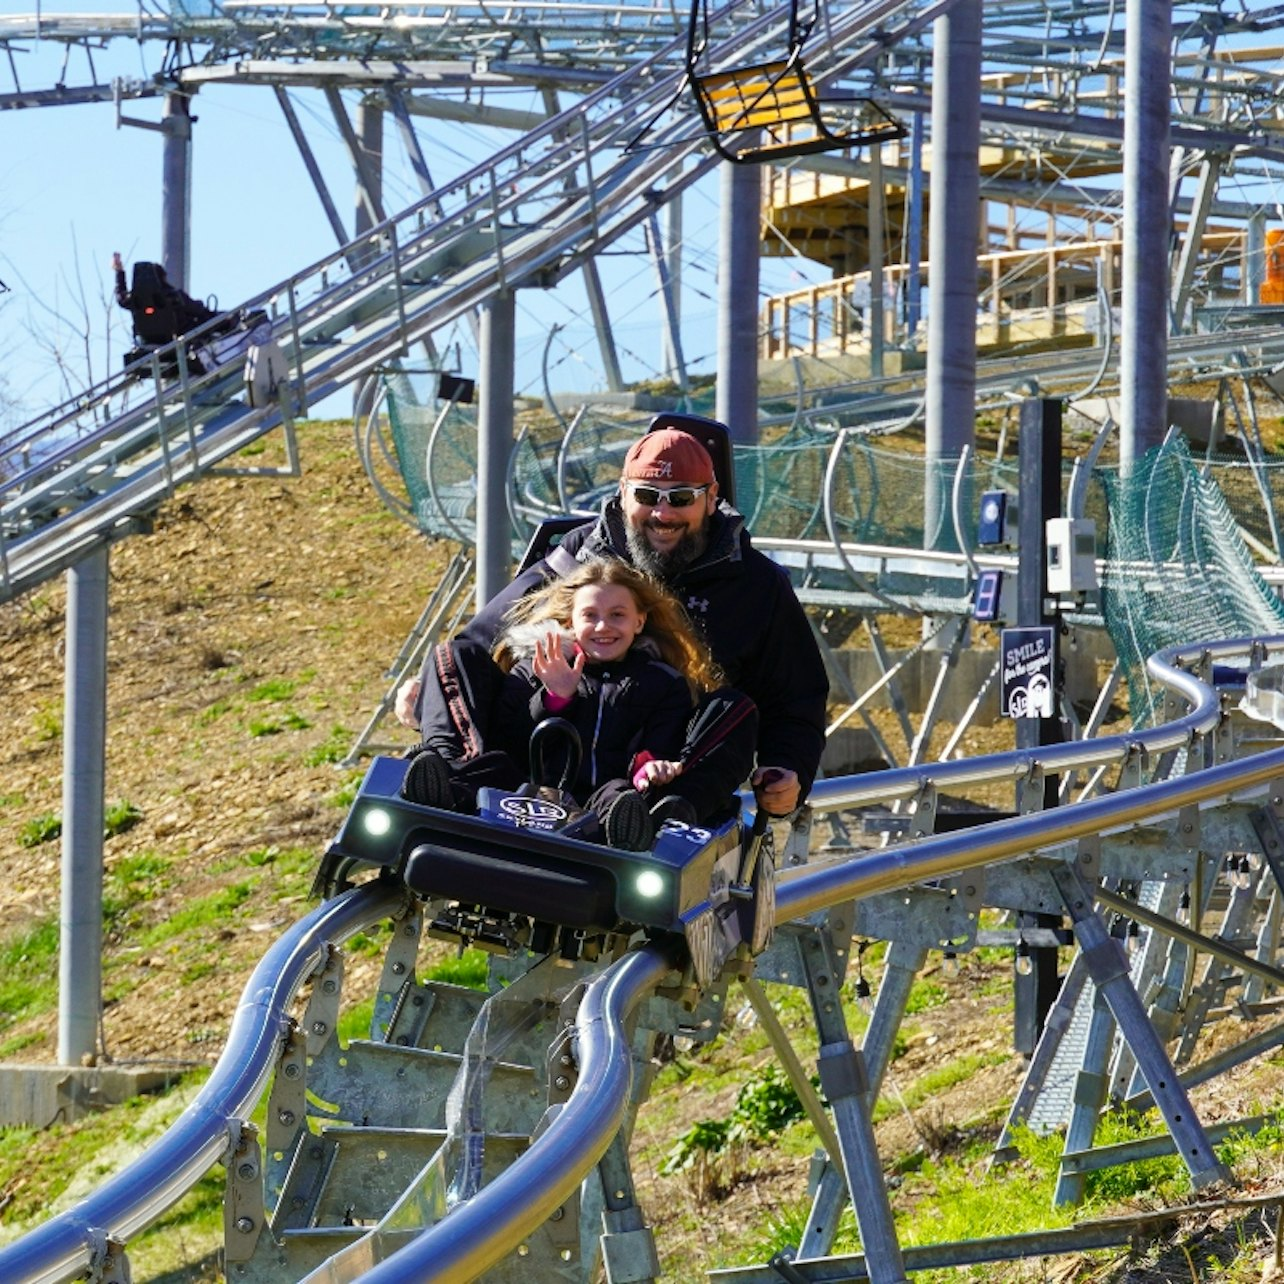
(738, 254)
(1143, 359)
(628, 1245)
(367, 159)
(671, 229)
(1058, 1022)
(1039, 458)
(668, 301)
(1266, 947)
(1253, 268)
(84, 737)
(176, 189)
(494, 442)
(828, 1188)
(952, 248)
(1108, 967)
(602, 325)
(875, 199)
(1089, 1097)
(1150, 962)
(1209, 172)
(914, 232)
(423, 176)
(1218, 974)
(900, 966)
(844, 1082)
(310, 164)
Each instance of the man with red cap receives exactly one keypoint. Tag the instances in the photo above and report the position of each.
(667, 519)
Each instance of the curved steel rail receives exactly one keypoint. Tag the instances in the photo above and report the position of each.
(65, 1246)
(477, 1235)
(482, 1231)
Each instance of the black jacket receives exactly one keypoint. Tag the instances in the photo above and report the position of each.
(634, 703)
(744, 605)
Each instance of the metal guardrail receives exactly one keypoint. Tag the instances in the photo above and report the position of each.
(538, 207)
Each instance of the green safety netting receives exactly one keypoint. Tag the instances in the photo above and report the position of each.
(876, 495)
(1178, 569)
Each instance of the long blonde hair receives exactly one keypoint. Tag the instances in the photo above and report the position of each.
(666, 625)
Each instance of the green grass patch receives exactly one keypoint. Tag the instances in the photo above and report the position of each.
(29, 972)
(331, 750)
(40, 829)
(354, 1022)
(274, 689)
(955, 1200)
(11, 800)
(290, 720)
(469, 968)
(937, 1080)
(140, 872)
(208, 912)
(924, 995)
(784, 1229)
(712, 1154)
(1164, 1178)
(212, 712)
(185, 1243)
(119, 817)
(11, 1047)
(48, 724)
(346, 794)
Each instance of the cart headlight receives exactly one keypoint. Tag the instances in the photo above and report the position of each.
(376, 821)
(649, 884)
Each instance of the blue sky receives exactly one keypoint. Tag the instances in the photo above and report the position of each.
(74, 187)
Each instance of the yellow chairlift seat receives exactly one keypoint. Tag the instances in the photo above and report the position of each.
(780, 102)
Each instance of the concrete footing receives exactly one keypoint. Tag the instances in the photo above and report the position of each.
(35, 1096)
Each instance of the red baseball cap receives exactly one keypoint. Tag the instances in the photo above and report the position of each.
(669, 455)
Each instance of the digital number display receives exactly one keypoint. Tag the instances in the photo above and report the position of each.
(985, 602)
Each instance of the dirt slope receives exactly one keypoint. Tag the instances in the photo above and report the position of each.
(248, 637)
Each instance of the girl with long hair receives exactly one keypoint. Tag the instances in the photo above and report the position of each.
(607, 649)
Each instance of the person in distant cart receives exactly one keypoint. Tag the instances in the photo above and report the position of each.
(160, 310)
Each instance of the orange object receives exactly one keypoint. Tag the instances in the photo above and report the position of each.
(1272, 287)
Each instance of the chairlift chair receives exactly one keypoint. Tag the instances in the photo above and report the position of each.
(772, 111)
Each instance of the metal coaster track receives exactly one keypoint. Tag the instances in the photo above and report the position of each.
(594, 1052)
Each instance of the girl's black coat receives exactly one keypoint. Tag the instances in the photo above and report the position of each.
(637, 702)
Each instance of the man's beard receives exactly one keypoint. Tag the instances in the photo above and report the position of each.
(666, 565)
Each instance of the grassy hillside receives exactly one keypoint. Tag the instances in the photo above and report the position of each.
(248, 639)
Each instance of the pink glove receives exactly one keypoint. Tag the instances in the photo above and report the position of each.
(640, 760)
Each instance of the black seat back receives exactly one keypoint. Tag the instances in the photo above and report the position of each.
(151, 303)
(550, 532)
(714, 437)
